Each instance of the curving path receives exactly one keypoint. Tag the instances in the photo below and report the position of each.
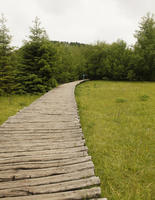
(43, 154)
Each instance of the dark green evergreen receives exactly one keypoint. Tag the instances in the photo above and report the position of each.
(38, 58)
(7, 72)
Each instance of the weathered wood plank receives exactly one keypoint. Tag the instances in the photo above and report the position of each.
(39, 142)
(44, 164)
(47, 180)
(44, 152)
(42, 120)
(17, 134)
(51, 188)
(42, 134)
(28, 129)
(42, 158)
(51, 129)
(33, 146)
(43, 139)
(70, 195)
(33, 173)
(41, 126)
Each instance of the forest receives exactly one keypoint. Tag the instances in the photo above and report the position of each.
(41, 63)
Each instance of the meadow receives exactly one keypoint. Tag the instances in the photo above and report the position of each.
(9, 105)
(118, 121)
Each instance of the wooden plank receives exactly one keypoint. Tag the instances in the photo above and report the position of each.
(43, 120)
(28, 137)
(39, 139)
(52, 129)
(23, 143)
(48, 180)
(31, 116)
(44, 164)
(33, 173)
(43, 152)
(39, 142)
(33, 146)
(42, 126)
(37, 148)
(69, 195)
(12, 134)
(42, 158)
(28, 129)
(51, 188)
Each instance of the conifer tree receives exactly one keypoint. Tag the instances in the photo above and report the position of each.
(38, 61)
(37, 33)
(6, 69)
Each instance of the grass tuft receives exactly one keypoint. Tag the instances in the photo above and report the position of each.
(144, 97)
(120, 100)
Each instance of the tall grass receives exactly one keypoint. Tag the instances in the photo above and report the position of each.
(9, 105)
(118, 121)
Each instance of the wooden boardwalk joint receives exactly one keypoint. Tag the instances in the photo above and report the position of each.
(43, 154)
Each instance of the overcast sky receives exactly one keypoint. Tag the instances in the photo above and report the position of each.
(84, 21)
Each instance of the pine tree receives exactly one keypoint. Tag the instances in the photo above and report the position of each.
(6, 69)
(37, 68)
(38, 33)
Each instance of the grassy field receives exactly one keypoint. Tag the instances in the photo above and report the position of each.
(10, 105)
(118, 121)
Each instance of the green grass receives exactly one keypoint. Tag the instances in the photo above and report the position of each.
(10, 105)
(118, 121)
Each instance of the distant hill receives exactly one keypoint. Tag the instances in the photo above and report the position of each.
(68, 43)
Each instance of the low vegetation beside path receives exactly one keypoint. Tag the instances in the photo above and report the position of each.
(118, 123)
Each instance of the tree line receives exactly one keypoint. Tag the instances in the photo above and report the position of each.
(40, 64)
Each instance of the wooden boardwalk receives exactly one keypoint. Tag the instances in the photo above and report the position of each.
(43, 154)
